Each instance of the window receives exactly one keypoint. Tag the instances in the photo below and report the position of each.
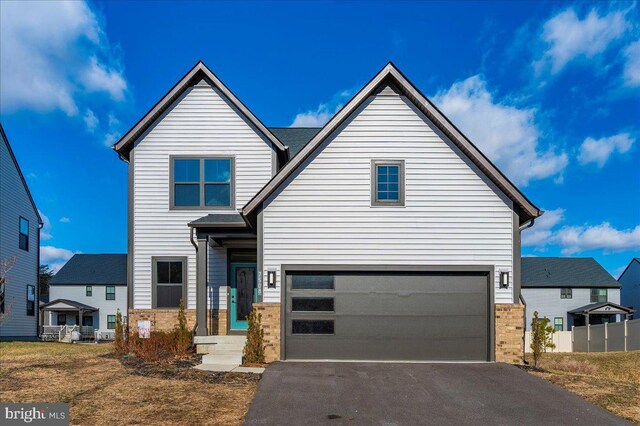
(387, 183)
(110, 292)
(598, 295)
(557, 323)
(31, 300)
(202, 183)
(111, 322)
(312, 282)
(87, 321)
(566, 293)
(89, 291)
(312, 327)
(62, 319)
(169, 279)
(23, 239)
(312, 304)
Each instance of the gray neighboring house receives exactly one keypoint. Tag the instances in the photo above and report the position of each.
(630, 281)
(569, 290)
(89, 286)
(20, 225)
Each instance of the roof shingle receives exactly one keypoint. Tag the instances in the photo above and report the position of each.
(87, 269)
(565, 272)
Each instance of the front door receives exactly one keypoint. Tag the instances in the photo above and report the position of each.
(243, 293)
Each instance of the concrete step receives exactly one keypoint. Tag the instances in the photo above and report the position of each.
(204, 340)
(220, 359)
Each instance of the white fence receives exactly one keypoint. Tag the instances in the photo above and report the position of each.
(611, 337)
(562, 340)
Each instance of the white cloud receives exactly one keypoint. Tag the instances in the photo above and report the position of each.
(540, 233)
(45, 232)
(504, 132)
(575, 239)
(598, 151)
(632, 64)
(90, 120)
(567, 37)
(54, 257)
(54, 54)
(319, 116)
(65, 219)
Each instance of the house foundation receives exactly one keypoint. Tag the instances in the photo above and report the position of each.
(509, 333)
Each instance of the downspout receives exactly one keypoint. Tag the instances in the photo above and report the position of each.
(37, 302)
(524, 327)
(528, 225)
(193, 243)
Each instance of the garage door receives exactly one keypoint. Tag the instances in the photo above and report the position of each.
(387, 316)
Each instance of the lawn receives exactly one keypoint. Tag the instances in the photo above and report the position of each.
(610, 380)
(103, 391)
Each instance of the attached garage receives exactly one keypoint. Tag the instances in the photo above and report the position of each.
(439, 315)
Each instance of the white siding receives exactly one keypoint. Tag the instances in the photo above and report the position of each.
(631, 287)
(15, 202)
(77, 293)
(548, 303)
(201, 122)
(452, 216)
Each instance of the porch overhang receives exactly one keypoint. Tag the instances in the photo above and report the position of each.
(602, 308)
(65, 305)
(224, 229)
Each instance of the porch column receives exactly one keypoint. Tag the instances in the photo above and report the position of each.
(201, 287)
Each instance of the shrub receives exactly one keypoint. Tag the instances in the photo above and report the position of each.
(541, 337)
(183, 336)
(253, 352)
(120, 343)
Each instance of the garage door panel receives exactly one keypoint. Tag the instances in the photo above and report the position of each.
(414, 304)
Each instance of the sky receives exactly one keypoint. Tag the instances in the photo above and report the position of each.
(549, 91)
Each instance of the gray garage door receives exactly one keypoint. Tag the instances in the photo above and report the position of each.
(387, 316)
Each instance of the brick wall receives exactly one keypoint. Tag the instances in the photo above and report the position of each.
(509, 333)
(271, 325)
(218, 322)
(167, 319)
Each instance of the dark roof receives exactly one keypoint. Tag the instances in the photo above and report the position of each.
(593, 306)
(565, 272)
(73, 303)
(220, 219)
(87, 269)
(294, 137)
(635, 259)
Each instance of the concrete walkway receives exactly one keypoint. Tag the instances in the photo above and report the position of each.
(415, 394)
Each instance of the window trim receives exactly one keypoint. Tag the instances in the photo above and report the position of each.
(202, 184)
(107, 293)
(33, 311)
(374, 183)
(115, 321)
(21, 218)
(566, 296)
(88, 291)
(555, 325)
(154, 278)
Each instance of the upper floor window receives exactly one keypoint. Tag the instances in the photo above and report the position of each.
(89, 291)
(387, 183)
(566, 293)
(111, 292)
(598, 295)
(202, 183)
(31, 300)
(24, 234)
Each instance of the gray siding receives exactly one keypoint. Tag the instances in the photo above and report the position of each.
(15, 202)
(630, 293)
(452, 214)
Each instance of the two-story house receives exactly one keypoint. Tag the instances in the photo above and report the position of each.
(88, 291)
(570, 291)
(630, 281)
(384, 235)
(20, 225)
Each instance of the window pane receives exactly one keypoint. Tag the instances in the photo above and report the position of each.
(217, 195)
(162, 272)
(218, 170)
(187, 195)
(312, 304)
(312, 282)
(168, 296)
(31, 293)
(23, 242)
(175, 272)
(111, 322)
(312, 327)
(24, 226)
(388, 181)
(393, 196)
(186, 170)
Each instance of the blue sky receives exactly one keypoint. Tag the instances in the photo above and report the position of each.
(550, 91)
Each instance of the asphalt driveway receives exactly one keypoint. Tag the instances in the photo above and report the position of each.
(304, 393)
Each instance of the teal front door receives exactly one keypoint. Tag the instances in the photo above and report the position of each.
(243, 293)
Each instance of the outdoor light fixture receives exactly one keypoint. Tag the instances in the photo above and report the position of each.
(504, 280)
(271, 279)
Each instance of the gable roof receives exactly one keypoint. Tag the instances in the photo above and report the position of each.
(88, 269)
(295, 138)
(200, 70)
(614, 308)
(391, 75)
(4, 137)
(554, 272)
(635, 259)
(66, 305)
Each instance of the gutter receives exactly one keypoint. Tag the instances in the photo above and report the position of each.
(524, 329)
(193, 243)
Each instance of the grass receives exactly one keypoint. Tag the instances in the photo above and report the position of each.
(609, 380)
(101, 390)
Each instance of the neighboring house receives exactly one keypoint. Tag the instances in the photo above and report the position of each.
(568, 290)
(384, 235)
(630, 281)
(89, 286)
(20, 225)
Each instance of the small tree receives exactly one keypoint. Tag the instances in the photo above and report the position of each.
(119, 344)
(541, 337)
(182, 334)
(43, 281)
(5, 305)
(253, 352)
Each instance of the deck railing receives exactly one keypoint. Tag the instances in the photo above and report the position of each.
(61, 333)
